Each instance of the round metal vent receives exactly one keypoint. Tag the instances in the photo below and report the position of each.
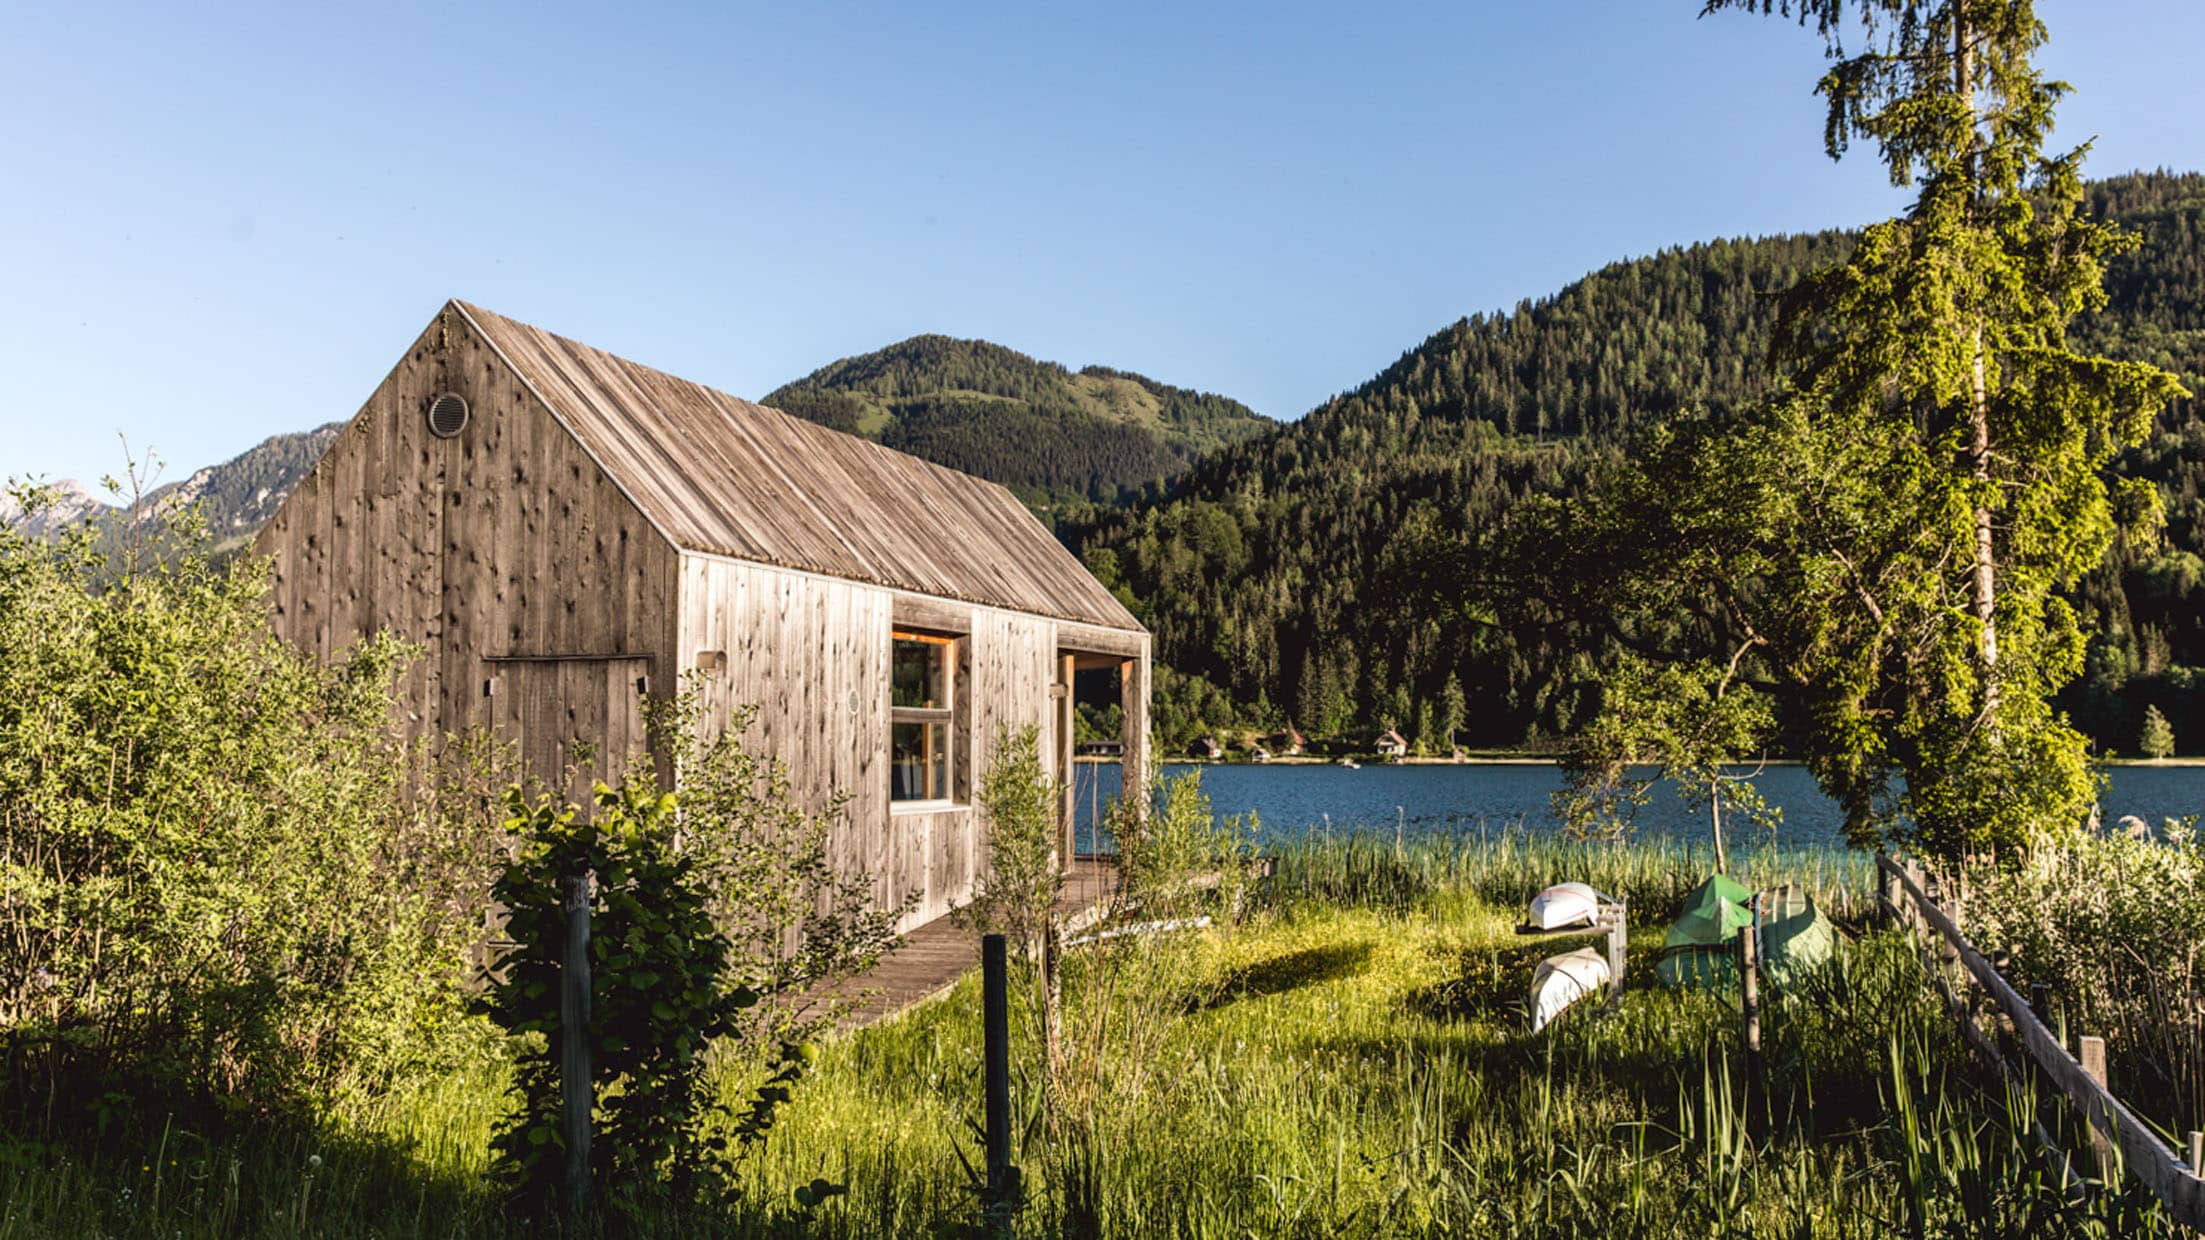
(447, 415)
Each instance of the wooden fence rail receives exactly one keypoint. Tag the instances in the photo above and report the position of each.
(2172, 1179)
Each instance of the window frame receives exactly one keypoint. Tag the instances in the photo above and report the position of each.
(945, 715)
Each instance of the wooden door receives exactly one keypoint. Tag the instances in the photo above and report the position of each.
(576, 719)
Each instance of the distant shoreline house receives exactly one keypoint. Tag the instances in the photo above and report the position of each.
(566, 534)
(1392, 745)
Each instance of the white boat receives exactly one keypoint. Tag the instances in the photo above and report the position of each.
(1562, 980)
(1564, 904)
(1351, 764)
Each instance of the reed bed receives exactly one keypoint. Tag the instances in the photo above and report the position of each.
(1379, 869)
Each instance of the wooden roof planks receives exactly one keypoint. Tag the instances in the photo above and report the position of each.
(720, 475)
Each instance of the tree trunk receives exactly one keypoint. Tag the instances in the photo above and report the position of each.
(1983, 582)
(1715, 815)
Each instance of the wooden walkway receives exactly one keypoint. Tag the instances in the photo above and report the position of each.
(936, 954)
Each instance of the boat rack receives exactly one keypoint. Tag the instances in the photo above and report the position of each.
(1608, 920)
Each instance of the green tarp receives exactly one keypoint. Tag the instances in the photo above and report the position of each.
(1697, 949)
(1795, 936)
(1701, 947)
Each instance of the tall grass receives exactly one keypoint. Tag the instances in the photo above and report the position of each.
(2114, 927)
(1352, 1061)
(1376, 869)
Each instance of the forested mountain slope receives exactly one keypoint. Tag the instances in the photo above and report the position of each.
(1312, 573)
(1050, 434)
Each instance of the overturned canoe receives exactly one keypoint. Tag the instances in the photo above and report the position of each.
(1562, 980)
(1564, 904)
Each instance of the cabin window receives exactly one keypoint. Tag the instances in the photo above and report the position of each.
(921, 709)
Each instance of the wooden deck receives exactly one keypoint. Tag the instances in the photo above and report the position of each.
(936, 954)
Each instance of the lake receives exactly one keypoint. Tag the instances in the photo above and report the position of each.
(1448, 799)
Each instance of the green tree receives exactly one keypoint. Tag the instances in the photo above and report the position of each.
(222, 881)
(1452, 710)
(1679, 721)
(1946, 442)
(2157, 740)
(1017, 892)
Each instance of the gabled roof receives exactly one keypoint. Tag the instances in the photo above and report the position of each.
(718, 474)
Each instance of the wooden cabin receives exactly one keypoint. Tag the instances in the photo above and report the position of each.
(566, 534)
(1392, 745)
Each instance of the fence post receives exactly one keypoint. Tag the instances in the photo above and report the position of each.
(2091, 1051)
(995, 1026)
(575, 1094)
(1749, 996)
(1618, 951)
(2197, 1154)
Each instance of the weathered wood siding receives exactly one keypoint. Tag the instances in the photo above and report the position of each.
(549, 606)
(811, 655)
(505, 540)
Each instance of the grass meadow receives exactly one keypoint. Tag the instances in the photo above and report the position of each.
(1348, 1058)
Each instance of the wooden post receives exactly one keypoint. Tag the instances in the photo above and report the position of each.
(1067, 714)
(1749, 995)
(2197, 1154)
(576, 1096)
(1133, 701)
(995, 1028)
(1618, 945)
(2091, 1051)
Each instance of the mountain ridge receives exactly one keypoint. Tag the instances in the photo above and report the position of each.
(1052, 434)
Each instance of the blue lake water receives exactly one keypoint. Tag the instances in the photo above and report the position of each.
(1292, 800)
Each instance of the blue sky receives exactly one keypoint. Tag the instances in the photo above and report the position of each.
(214, 227)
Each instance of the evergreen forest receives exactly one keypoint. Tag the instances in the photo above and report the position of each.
(1350, 571)
(1064, 441)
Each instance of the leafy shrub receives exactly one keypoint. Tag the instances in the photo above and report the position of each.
(1017, 891)
(660, 992)
(718, 925)
(1168, 853)
(2115, 926)
(218, 877)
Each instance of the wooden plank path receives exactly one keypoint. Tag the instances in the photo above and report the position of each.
(936, 954)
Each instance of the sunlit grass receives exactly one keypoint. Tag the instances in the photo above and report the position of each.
(1352, 1061)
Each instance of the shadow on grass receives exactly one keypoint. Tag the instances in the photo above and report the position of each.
(1288, 971)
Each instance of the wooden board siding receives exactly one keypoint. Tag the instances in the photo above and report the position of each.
(598, 529)
(579, 717)
(355, 544)
(504, 540)
(802, 649)
(722, 475)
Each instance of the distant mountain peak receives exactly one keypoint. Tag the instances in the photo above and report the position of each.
(234, 497)
(1049, 433)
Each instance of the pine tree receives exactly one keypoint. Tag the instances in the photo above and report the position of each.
(2157, 740)
(1935, 415)
(1452, 711)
